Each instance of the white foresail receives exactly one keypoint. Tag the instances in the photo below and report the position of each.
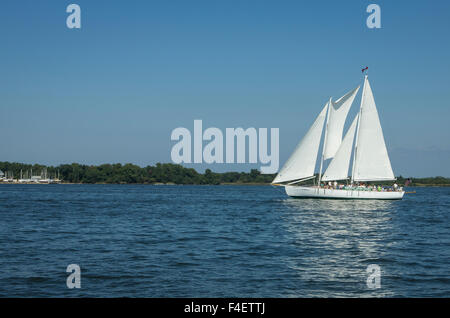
(302, 162)
(338, 167)
(338, 115)
(371, 158)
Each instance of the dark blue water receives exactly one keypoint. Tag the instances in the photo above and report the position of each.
(214, 241)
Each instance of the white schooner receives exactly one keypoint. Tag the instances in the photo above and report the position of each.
(370, 157)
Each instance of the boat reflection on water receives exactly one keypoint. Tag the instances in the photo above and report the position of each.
(333, 242)
(331, 205)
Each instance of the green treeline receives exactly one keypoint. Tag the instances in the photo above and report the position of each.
(162, 173)
(129, 173)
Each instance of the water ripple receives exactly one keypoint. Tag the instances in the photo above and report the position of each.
(217, 241)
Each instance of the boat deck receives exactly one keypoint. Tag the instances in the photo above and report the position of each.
(344, 193)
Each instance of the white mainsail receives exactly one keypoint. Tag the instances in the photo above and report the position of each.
(371, 161)
(338, 167)
(302, 162)
(338, 114)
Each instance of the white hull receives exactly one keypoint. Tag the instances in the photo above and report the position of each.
(315, 192)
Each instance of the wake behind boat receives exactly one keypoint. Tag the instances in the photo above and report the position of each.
(370, 157)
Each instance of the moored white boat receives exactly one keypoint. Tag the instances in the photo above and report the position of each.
(370, 157)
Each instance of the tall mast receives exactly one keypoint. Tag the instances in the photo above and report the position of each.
(357, 130)
(324, 141)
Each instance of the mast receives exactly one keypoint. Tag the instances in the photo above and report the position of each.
(357, 130)
(324, 141)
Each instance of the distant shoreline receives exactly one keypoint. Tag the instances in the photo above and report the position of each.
(155, 184)
(184, 184)
(160, 174)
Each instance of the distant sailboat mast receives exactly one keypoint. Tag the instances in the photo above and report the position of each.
(337, 114)
(325, 139)
(357, 130)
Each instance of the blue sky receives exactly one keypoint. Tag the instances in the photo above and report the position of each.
(114, 90)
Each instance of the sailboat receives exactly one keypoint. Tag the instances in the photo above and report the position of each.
(364, 138)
